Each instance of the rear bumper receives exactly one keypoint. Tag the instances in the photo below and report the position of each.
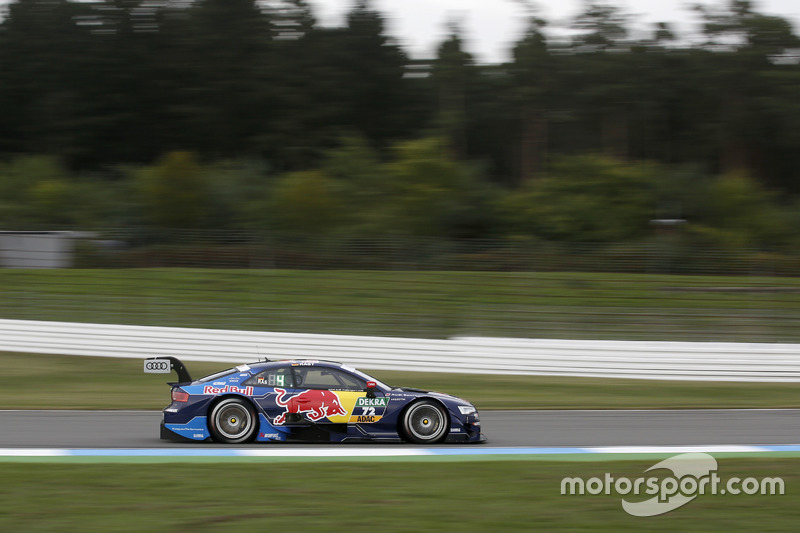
(166, 434)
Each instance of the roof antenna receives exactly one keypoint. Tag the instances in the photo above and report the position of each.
(260, 350)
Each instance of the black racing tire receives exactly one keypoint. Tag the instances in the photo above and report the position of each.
(232, 421)
(425, 422)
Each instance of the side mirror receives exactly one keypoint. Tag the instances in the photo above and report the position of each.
(371, 389)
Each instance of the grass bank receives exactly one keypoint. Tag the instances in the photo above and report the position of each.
(416, 304)
(355, 497)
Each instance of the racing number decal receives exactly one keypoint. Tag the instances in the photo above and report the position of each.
(368, 410)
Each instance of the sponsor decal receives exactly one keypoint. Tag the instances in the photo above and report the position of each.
(220, 383)
(210, 389)
(194, 429)
(368, 410)
(269, 436)
(372, 402)
(315, 404)
(157, 366)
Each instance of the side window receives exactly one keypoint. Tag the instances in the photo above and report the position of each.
(274, 377)
(328, 378)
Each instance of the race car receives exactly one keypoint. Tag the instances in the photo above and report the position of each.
(308, 401)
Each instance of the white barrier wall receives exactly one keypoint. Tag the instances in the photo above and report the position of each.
(709, 361)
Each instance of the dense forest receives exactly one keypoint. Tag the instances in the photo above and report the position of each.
(240, 114)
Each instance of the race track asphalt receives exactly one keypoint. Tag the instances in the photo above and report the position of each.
(140, 429)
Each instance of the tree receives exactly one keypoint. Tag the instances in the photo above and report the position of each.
(741, 27)
(744, 43)
(42, 52)
(306, 202)
(219, 52)
(740, 213)
(375, 68)
(174, 192)
(585, 199)
(533, 76)
(452, 74)
(600, 27)
(434, 195)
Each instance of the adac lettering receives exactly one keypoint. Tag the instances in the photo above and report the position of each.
(209, 389)
(316, 404)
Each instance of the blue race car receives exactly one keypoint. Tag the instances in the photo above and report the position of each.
(308, 401)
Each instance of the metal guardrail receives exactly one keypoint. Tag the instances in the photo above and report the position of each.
(704, 361)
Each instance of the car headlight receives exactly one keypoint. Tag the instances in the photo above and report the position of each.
(467, 409)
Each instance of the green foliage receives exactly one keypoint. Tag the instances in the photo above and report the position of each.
(742, 214)
(174, 192)
(585, 199)
(432, 194)
(239, 191)
(36, 192)
(107, 85)
(306, 202)
(600, 26)
(362, 185)
(740, 23)
(49, 198)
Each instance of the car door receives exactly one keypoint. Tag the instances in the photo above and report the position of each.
(331, 395)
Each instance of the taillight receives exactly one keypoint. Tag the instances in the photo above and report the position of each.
(179, 396)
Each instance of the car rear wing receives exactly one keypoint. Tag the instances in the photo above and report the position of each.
(165, 365)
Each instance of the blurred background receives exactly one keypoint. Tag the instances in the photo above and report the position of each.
(238, 164)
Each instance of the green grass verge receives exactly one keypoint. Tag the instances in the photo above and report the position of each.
(33, 381)
(355, 497)
(416, 304)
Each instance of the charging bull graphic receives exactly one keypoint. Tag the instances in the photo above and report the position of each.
(317, 403)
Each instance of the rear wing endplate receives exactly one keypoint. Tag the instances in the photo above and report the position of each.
(165, 365)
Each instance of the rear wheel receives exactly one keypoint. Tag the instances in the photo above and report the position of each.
(425, 422)
(232, 421)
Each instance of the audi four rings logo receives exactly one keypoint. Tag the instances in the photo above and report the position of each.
(157, 366)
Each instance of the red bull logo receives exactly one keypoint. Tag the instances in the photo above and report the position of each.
(315, 403)
(247, 391)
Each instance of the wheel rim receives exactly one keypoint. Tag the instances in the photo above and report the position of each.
(233, 421)
(426, 422)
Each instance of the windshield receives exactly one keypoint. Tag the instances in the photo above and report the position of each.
(365, 377)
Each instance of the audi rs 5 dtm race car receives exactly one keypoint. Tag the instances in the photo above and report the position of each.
(308, 401)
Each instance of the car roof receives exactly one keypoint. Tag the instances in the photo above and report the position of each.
(263, 365)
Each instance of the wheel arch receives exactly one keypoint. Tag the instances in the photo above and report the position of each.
(402, 415)
(222, 397)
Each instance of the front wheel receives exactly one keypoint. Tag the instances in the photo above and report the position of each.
(425, 422)
(232, 421)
